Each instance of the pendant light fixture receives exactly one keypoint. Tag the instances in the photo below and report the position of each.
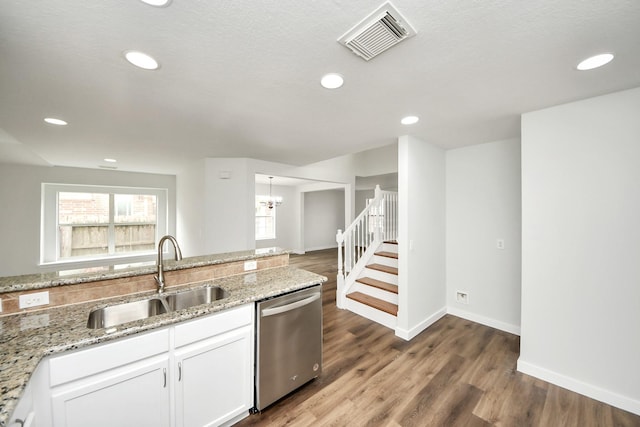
(273, 201)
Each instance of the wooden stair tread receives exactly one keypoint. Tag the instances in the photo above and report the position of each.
(376, 303)
(387, 254)
(384, 268)
(389, 287)
(391, 242)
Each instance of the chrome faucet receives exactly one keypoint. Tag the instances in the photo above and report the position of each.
(160, 277)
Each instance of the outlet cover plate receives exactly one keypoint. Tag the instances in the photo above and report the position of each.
(250, 265)
(462, 297)
(34, 300)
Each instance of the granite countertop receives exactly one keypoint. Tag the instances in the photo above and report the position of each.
(92, 274)
(25, 339)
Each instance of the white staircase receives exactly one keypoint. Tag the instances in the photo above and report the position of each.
(374, 294)
(368, 276)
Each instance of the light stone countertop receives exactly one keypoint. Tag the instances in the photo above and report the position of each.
(93, 274)
(25, 339)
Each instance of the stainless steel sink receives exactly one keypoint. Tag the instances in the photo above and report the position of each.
(107, 317)
(193, 297)
(114, 315)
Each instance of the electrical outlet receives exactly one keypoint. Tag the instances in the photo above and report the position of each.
(462, 297)
(500, 243)
(250, 265)
(0, 305)
(34, 300)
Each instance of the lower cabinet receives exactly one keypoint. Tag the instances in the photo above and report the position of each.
(134, 395)
(196, 373)
(24, 414)
(214, 379)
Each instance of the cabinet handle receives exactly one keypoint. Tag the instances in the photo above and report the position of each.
(179, 371)
(27, 421)
(164, 372)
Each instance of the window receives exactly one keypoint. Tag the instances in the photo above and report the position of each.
(265, 219)
(81, 222)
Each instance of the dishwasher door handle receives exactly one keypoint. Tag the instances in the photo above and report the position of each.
(291, 306)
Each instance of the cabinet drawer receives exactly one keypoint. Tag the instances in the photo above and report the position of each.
(215, 324)
(93, 360)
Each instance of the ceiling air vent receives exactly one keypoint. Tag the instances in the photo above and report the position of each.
(381, 30)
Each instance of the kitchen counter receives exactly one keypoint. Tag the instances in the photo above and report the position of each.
(25, 339)
(92, 274)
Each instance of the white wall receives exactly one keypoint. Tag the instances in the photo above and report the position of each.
(421, 241)
(581, 247)
(483, 205)
(230, 226)
(361, 199)
(286, 213)
(377, 161)
(229, 205)
(388, 182)
(323, 216)
(20, 195)
(190, 218)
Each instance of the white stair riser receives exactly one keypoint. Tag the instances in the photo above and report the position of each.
(388, 247)
(376, 292)
(385, 319)
(380, 275)
(384, 260)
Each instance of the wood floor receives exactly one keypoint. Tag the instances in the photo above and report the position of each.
(456, 373)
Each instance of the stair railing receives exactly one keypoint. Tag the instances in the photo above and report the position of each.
(377, 223)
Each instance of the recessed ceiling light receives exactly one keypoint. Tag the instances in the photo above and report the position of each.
(595, 61)
(141, 60)
(332, 81)
(54, 121)
(157, 3)
(110, 160)
(409, 120)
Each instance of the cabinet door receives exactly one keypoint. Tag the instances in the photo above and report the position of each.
(24, 414)
(213, 379)
(132, 395)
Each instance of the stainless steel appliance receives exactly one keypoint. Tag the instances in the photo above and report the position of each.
(288, 343)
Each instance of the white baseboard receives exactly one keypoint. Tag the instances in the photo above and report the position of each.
(321, 248)
(413, 332)
(487, 321)
(594, 392)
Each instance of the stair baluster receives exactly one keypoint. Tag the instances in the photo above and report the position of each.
(377, 223)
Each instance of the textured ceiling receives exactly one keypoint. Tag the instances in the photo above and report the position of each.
(241, 78)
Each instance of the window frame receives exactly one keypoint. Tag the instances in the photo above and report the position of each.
(49, 236)
(260, 199)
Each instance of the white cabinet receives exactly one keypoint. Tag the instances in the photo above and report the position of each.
(214, 377)
(134, 395)
(197, 373)
(119, 383)
(24, 414)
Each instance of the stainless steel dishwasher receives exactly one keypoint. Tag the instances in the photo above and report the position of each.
(288, 343)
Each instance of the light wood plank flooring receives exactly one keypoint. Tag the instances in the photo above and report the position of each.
(456, 373)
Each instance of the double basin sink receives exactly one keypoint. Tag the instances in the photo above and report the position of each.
(118, 314)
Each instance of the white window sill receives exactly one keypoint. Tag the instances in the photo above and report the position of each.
(115, 261)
